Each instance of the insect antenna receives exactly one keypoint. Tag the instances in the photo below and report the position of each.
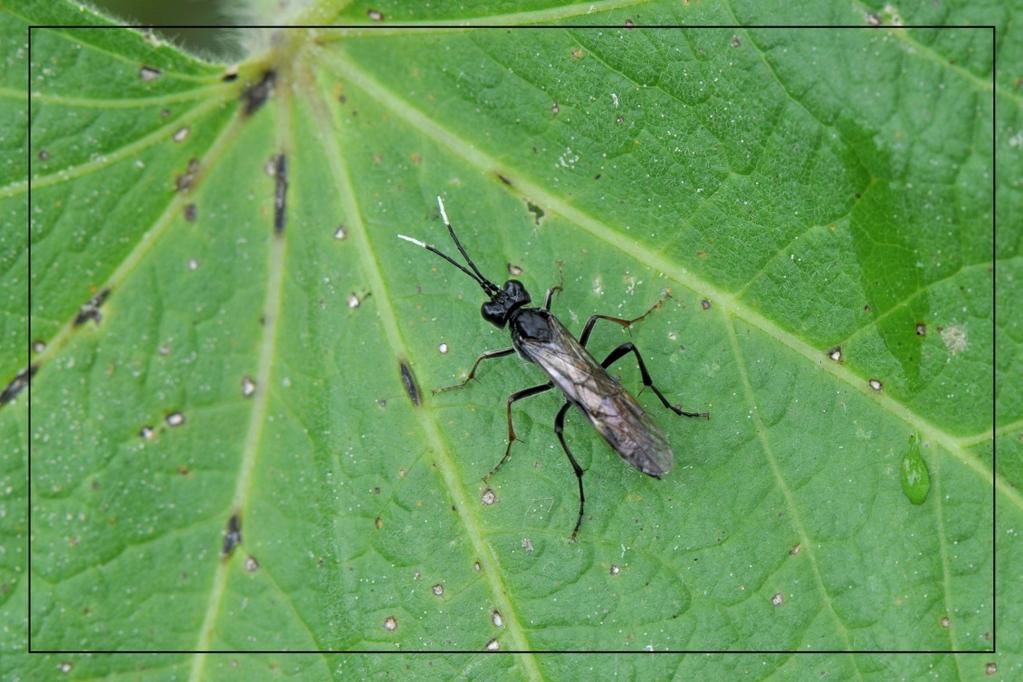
(486, 285)
(491, 287)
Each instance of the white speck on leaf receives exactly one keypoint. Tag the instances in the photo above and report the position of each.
(955, 339)
(568, 158)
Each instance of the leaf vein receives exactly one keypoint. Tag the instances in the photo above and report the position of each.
(765, 445)
(426, 419)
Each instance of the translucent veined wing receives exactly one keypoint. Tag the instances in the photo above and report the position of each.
(614, 413)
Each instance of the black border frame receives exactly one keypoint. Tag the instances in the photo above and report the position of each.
(994, 96)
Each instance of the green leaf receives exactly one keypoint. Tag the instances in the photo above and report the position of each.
(221, 312)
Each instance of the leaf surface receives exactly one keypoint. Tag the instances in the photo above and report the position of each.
(817, 202)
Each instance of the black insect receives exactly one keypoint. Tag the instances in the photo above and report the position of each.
(540, 338)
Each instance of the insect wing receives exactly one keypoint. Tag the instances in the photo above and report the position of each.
(631, 432)
(614, 413)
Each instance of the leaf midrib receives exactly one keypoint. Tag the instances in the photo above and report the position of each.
(276, 254)
(425, 418)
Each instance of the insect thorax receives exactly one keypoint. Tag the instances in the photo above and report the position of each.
(533, 324)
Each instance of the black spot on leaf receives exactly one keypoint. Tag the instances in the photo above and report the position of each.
(90, 311)
(255, 96)
(280, 192)
(408, 380)
(538, 213)
(232, 535)
(18, 384)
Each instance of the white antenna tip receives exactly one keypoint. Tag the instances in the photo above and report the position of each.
(443, 213)
(413, 240)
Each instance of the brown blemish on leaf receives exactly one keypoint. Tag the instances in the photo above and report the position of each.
(185, 181)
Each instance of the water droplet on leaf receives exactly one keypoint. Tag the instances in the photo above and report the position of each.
(916, 482)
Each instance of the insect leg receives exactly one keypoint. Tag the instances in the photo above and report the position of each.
(628, 347)
(585, 336)
(518, 395)
(557, 288)
(549, 298)
(488, 355)
(559, 427)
